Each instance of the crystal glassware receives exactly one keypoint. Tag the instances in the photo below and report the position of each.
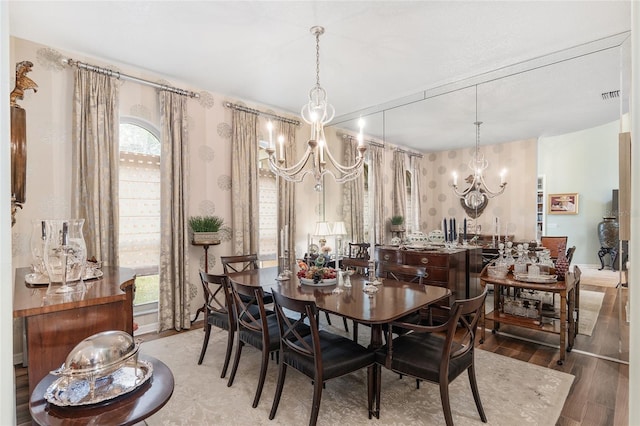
(38, 238)
(65, 254)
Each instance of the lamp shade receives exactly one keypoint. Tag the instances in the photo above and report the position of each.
(322, 229)
(339, 228)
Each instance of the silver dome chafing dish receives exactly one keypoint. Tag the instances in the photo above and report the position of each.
(100, 355)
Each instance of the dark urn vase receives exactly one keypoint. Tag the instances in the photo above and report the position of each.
(608, 232)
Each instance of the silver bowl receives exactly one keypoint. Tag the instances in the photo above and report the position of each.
(100, 355)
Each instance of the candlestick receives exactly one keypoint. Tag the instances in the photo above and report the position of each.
(281, 140)
(450, 230)
(446, 235)
(455, 179)
(281, 242)
(65, 233)
(464, 229)
(455, 230)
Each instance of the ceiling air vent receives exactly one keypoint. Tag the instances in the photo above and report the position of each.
(610, 95)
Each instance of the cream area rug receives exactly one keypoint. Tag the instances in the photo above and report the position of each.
(591, 275)
(513, 392)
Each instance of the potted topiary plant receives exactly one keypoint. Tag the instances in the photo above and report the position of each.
(205, 228)
(397, 223)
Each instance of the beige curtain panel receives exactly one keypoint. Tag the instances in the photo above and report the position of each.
(96, 154)
(399, 183)
(175, 290)
(244, 182)
(353, 196)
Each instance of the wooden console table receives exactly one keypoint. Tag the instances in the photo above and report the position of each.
(54, 327)
(569, 293)
(458, 269)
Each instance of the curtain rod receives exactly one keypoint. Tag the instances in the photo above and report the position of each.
(411, 153)
(258, 112)
(368, 142)
(121, 76)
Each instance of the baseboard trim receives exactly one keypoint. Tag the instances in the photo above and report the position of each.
(17, 358)
(146, 329)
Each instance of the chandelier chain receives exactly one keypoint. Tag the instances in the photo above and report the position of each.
(318, 59)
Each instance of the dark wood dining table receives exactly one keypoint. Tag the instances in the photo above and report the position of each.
(393, 300)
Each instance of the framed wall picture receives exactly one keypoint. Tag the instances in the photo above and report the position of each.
(563, 203)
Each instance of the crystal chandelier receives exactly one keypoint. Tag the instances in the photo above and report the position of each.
(477, 192)
(317, 113)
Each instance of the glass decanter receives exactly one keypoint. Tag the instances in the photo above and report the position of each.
(520, 265)
(509, 254)
(65, 254)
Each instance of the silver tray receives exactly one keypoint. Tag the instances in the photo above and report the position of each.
(39, 279)
(323, 282)
(71, 392)
(542, 279)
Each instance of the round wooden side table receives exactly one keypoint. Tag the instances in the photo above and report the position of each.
(127, 409)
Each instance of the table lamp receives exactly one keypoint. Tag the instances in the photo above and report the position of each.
(339, 230)
(322, 230)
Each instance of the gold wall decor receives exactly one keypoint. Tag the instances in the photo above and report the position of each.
(19, 137)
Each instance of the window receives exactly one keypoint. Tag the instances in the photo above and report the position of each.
(267, 209)
(139, 233)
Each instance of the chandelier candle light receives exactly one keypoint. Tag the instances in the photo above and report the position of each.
(477, 191)
(317, 113)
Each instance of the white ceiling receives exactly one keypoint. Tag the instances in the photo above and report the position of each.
(540, 66)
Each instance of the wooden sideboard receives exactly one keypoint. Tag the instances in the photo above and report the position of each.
(53, 326)
(458, 270)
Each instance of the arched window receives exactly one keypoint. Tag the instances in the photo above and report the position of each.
(139, 233)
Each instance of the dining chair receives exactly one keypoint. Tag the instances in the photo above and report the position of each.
(219, 313)
(552, 243)
(570, 251)
(357, 257)
(320, 355)
(241, 263)
(259, 331)
(438, 354)
(129, 288)
(399, 272)
(408, 273)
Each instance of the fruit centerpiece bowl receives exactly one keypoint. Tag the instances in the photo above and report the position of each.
(315, 275)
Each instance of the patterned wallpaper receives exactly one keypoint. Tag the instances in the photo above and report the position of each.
(49, 152)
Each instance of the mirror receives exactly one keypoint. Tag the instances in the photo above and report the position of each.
(555, 95)
(474, 203)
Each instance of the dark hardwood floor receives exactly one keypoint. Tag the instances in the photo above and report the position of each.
(599, 394)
